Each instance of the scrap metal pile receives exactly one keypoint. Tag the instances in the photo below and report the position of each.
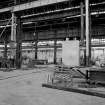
(78, 77)
(66, 76)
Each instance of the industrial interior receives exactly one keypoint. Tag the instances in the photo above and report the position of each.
(63, 39)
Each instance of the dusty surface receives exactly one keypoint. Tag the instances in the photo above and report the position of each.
(27, 90)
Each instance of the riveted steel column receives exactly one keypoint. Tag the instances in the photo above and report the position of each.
(18, 42)
(82, 22)
(13, 27)
(88, 44)
(83, 30)
(36, 45)
(55, 48)
(5, 50)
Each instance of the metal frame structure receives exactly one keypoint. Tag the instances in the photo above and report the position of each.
(59, 14)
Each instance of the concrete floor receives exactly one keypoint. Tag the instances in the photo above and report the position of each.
(27, 90)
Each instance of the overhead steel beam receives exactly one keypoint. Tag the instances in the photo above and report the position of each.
(51, 16)
(5, 9)
(35, 4)
(68, 12)
(42, 17)
(30, 5)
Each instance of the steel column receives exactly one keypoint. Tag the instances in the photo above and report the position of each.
(13, 27)
(82, 30)
(87, 32)
(19, 43)
(5, 50)
(55, 48)
(82, 22)
(36, 45)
